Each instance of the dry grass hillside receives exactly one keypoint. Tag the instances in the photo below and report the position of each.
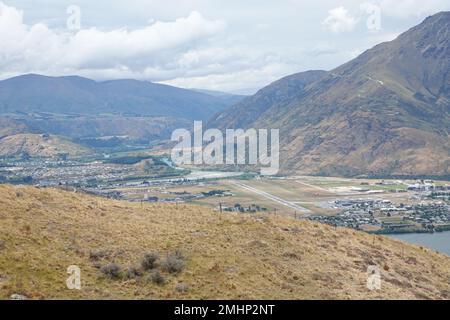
(39, 145)
(43, 231)
(10, 127)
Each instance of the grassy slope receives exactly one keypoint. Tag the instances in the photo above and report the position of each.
(38, 146)
(43, 231)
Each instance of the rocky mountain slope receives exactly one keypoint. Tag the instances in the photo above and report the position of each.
(387, 112)
(244, 113)
(44, 231)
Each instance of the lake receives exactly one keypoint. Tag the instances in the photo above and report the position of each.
(439, 241)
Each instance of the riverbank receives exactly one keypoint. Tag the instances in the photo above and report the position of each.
(434, 229)
(439, 241)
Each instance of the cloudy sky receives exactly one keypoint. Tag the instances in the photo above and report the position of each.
(228, 45)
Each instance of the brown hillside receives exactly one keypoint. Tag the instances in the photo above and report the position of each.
(38, 145)
(43, 231)
(10, 127)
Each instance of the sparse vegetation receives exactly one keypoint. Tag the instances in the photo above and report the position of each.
(133, 273)
(111, 271)
(149, 261)
(174, 262)
(157, 278)
(182, 288)
(97, 255)
(217, 246)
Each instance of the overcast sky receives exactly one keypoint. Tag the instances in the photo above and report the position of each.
(228, 45)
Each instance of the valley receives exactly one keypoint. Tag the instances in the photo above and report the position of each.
(118, 178)
(388, 206)
(375, 206)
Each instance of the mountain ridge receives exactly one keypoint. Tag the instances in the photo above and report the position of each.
(385, 112)
(79, 95)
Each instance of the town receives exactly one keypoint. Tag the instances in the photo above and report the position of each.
(376, 206)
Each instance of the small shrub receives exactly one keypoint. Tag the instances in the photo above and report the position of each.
(157, 278)
(174, 262)
(111, 271)
(179, 255)
(96, 255)
(133, 273)
(181, 288)
(149, 261)
(97, 265)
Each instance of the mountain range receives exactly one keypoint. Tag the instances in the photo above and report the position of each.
(384, 113)
(76, 95)
(79, 108)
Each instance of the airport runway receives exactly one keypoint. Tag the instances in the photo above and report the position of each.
(272, 198)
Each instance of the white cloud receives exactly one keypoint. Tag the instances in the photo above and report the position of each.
(190, 51)
(412, 8)
(340, 20)
(230, 45)
(252, 78)
(36, 48)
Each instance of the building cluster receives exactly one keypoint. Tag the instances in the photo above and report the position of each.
(385, 217)
(253, 208)
(427, 185)
(48, 172)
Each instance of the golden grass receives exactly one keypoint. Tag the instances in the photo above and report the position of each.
(43, 231)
